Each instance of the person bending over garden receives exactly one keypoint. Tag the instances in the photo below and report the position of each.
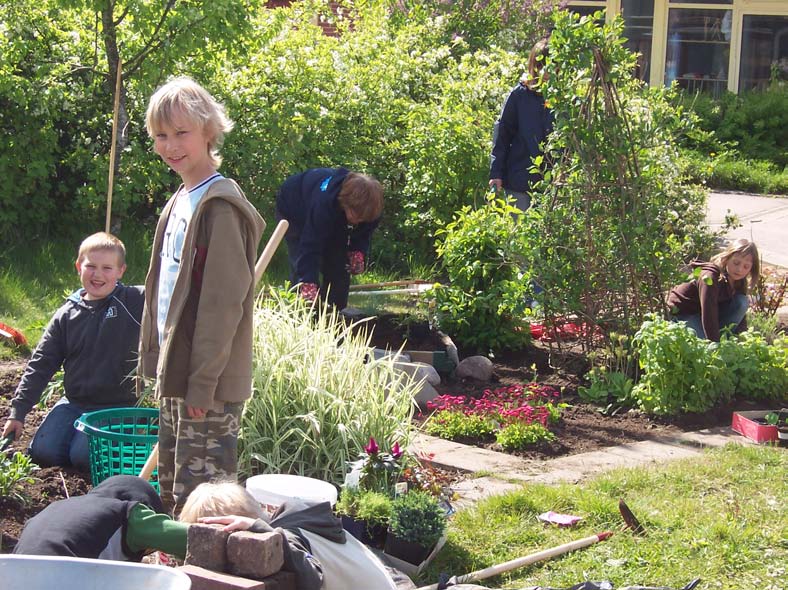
(332, 213)
(199, 295)
(123, 519)
(524, 124)
(94, 338)
(717, 298)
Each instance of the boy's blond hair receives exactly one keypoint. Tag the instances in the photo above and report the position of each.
(742, 247)
(187, 96)
(220, 499)
(102, 241)
(363, 195)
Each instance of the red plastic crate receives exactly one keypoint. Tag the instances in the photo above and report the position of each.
(744, 423)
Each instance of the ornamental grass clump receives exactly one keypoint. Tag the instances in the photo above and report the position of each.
(318, 394)
(518, 415)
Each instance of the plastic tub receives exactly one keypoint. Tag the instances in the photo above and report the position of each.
(272, 489)
(120, 441)
(34, 572)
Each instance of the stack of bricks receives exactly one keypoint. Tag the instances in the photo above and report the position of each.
(217, 560)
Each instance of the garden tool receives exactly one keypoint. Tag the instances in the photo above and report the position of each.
(608, 586)
(262, 263)
(631, 521)
(519, 562)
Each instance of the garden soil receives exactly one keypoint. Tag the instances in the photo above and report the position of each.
(583, 428)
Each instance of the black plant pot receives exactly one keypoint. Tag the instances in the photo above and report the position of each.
(357, 528)
(372, 535)
(408, 551)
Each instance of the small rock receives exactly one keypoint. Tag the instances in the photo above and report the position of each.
(475, 367)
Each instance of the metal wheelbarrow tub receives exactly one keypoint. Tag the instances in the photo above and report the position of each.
(35, 572)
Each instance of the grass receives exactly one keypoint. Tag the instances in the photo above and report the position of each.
(720, 517)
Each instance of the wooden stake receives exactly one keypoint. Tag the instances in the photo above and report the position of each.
(259, 269)
(112, 149)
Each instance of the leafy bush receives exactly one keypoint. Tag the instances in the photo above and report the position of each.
(518, 436)
(751, 123)
(374, 507)
(612, 219)
(317, 396)
(457, 425)
(484, 304)
(417, 517)
(683, 373)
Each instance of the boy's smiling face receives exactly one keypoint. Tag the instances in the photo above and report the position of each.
(99, 272)
(182, 144)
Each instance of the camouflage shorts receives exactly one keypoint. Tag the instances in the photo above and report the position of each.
(193, 451)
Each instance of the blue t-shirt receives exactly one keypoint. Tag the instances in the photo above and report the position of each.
(172, 245)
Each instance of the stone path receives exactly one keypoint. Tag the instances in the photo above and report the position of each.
(500, 473)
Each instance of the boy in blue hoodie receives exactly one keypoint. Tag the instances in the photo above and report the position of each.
(94, 337)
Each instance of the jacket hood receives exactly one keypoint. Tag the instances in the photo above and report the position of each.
(315, 517)
(226, 189)
(129, 488)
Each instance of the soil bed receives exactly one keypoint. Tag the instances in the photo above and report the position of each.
(582, 428)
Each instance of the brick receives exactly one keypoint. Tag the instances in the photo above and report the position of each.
(254, 555)
(204, 579)
(207, 547)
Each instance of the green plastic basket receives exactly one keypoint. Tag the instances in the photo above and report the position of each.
(120, 441)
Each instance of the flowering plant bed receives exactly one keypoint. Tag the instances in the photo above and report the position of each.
(516, 415)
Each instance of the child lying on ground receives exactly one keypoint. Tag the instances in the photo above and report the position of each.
(123, 519)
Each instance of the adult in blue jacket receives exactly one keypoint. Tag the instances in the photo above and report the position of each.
(332, 213)
(523, 125)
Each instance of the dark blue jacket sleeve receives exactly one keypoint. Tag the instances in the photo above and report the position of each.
(45, 361)
(505, 130)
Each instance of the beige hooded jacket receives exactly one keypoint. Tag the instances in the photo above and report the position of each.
(206, 351)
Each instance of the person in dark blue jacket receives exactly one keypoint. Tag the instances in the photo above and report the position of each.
(94, 336)
(523, 125)
(332, 213)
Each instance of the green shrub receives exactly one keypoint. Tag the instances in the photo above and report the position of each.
(458, 425)
(684, 373)
(517, 436)
(374, 507)
(317, 396)
(417, 517)
(613, 219)
(484, 305)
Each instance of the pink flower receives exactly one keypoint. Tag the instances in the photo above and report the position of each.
(372, 448)
(396, 452)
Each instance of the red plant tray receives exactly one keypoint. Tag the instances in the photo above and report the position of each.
(744, 423)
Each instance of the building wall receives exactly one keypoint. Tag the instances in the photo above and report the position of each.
(706, 45)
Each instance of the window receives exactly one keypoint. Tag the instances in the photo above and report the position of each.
(764, 51)
(639, 31)
(698, 49)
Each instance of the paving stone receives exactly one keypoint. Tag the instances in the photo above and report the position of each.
(206, 547)
(254, 555)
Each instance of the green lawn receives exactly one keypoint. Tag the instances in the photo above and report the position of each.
(721, 517)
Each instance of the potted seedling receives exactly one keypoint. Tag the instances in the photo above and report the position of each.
(780, 420)
(365, 514)
(417, 523)
(374, 510)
